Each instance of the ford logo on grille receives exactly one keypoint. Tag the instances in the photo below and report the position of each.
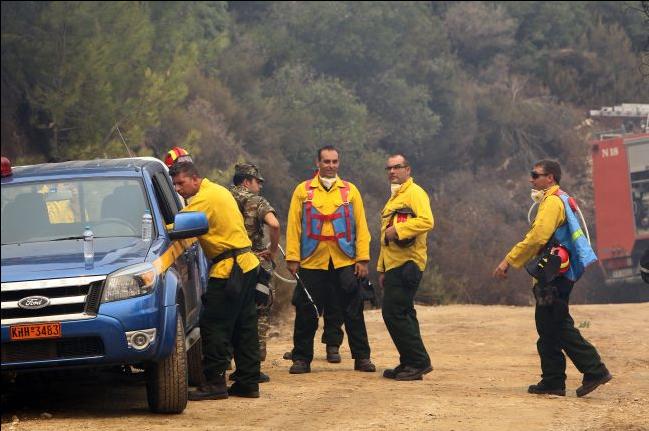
(34, 302)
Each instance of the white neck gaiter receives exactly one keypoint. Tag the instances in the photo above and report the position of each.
(537, 195)
(327, 182)
(394, 188)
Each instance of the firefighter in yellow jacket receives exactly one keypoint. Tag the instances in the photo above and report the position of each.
(228, 319)
(328, 245)
(554, 229)
(406, 220)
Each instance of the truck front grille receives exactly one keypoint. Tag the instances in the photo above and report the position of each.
(69, 298)
(43, 350)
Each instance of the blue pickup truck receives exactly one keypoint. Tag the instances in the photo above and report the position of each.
(134, 301)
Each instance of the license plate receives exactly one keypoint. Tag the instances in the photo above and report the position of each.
(36, 330)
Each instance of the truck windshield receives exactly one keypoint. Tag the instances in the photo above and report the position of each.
(57, 210)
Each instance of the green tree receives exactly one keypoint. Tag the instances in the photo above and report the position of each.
(316, 112)
(87, 72)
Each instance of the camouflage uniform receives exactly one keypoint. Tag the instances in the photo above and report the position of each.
(254, 208)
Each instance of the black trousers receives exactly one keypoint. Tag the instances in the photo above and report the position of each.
(229, 328)
(333, 319)
(399, 288)
(328, 288)
(557, 334)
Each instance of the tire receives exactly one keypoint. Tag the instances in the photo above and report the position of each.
(195, 364)
(166, 386)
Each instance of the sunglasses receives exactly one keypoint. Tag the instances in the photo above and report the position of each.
(536, 175)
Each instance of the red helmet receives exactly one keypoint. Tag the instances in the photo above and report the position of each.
(563, 253)
(5, 167)
(177, 154)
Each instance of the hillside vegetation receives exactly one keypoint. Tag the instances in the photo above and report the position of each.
(471, 92)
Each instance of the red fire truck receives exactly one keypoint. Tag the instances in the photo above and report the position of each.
(621, 188)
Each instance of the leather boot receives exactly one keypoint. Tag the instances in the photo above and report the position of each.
(237, 391)
(288, 355)
(333, 355)
(412, 373)
(214, 389)
(589, 384)
(263, 377)
(542, 388)
(364, 365)
(300, 367)
(391, 373)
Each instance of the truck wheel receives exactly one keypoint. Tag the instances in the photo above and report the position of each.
(195, 364)
(166, 386)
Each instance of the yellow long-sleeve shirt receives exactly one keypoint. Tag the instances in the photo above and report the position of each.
(550, 215)
(326, 202)
(226, 229)
(412, 196)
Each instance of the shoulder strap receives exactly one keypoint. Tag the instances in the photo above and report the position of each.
(309, 189)
(571, 201)
(344, 192)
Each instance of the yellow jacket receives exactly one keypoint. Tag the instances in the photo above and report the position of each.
(549, 217)
(326, 202)
(226, 228)
(414, 197)
(60, 211)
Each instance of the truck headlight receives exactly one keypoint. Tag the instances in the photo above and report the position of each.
(132, 281)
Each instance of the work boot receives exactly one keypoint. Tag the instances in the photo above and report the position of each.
(364, 365)
(300, 367)
(288, 356)
(589, 384)
(542, 388)
(214, 389)
(412, 373)
(391, 373)
(333, 355)
(263, 378)
(237, 391)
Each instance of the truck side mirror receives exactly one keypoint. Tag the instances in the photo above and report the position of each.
(189, 224)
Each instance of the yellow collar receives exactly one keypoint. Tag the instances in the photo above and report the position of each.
(403, 188)
(550, 191)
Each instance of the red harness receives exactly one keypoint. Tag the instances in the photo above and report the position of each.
(344, 194)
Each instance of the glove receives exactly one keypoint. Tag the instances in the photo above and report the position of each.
(364, 292)
(263, 294)
(367, 291)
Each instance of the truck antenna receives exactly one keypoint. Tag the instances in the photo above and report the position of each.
(123, 140)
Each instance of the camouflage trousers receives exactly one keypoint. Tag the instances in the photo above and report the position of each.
(263, 324)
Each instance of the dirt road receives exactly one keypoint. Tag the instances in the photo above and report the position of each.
(484, 358)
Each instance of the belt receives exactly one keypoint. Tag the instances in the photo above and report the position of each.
(233, 252)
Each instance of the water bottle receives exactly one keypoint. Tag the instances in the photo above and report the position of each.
(147, 226)
(88, 245)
